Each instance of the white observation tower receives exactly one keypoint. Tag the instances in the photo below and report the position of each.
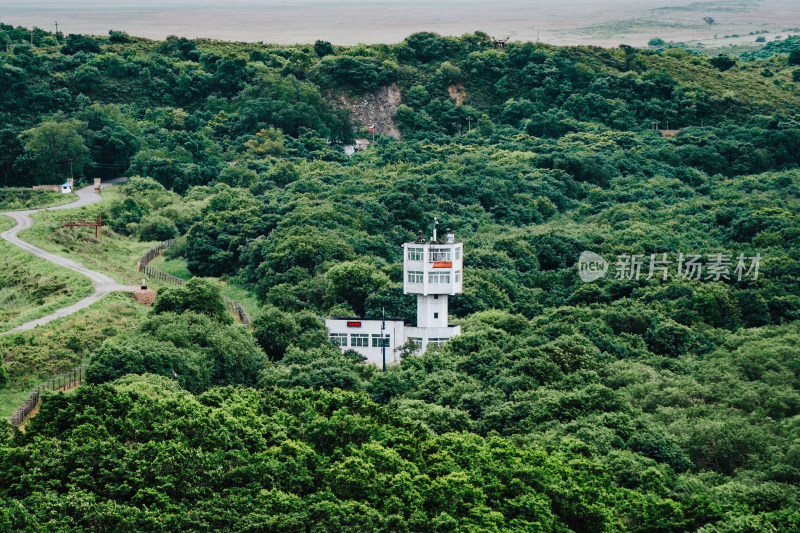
(433, 270)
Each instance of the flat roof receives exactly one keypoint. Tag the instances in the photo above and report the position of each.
(388, 319)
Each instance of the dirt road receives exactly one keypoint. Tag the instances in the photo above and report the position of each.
(103, 284)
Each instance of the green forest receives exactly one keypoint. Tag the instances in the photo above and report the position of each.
(649, 403)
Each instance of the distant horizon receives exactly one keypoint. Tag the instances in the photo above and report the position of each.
(347, 23)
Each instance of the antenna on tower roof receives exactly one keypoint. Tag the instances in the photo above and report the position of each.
(435, 223)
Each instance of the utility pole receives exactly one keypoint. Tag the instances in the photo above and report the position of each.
(70, 170)
(56, 29)
(31, 37)
(383, 337)
(469, 124)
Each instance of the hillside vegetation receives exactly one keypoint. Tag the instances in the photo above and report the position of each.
(645, 402)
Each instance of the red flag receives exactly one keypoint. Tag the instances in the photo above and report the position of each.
(371, 128)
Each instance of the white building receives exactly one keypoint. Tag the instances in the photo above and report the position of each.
(433, 270)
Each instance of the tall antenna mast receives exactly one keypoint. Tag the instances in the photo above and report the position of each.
(435, 223)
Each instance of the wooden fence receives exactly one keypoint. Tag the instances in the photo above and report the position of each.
(65, 381)
(234, 307)
(151, 254)
(160, 275)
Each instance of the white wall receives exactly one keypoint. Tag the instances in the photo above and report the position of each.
(398, 333)
(426, 334)
(395, 329)
(432, 311)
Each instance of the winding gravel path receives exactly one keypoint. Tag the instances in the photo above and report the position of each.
(103, 284)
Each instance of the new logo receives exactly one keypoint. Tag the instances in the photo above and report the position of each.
(591, 266)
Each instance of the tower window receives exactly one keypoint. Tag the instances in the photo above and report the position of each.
(435, 296)
(435, 315)
(415, 254)
(438, 277)
(414, 277)
(458, 276)
(458, 254)
(441, 254)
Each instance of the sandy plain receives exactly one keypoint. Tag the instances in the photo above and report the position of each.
(603, 23)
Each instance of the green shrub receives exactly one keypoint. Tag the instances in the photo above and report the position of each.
(157, 228)
(198, 295)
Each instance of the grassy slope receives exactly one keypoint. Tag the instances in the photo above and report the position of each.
(17, 303)
(114, 255)
(34, 356)
(176, 267)
(743, 82)
(49, 199)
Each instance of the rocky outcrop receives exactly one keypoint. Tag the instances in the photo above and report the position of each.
(378, 107)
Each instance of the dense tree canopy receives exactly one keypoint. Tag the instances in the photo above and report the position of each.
(661, 401)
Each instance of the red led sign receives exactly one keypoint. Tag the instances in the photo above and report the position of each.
(442, 264)
(354, 324)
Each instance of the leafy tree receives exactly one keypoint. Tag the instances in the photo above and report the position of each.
(323, 48)
(57, 144)
(157, 228)
(78, 43)
(354, 281)
(275, 331)
(119, 37)
(722, 62)
(266, 142)
(197, 295)
(230, 350)
(126, 214)
(141, 355)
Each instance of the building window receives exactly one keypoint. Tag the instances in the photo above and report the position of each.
(435, 315)
(435, 296)
(440, 254)
(376, 341)
(415, 254)
(458, 276)
(339, 339)
(416, 340)
(414, 276)
(458, 254)
(359, 339)
(438, 277)
(437, 341)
